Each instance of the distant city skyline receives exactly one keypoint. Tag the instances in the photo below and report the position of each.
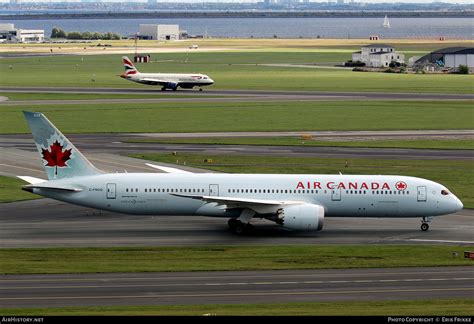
(246, 1)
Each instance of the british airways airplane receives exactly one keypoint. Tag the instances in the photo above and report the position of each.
(296, 201)
(165, 80)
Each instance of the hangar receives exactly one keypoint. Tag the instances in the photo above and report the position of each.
(8, 33)
(159, 32)
(450, 57)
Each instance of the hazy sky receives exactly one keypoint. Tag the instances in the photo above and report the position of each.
(235, 1)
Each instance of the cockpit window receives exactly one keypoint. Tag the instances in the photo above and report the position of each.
(444, 192)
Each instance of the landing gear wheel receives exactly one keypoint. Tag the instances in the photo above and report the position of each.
(175, 88)
(200, 89)
(232, 223)
(425, 227)
(163, 89)
(240, 228)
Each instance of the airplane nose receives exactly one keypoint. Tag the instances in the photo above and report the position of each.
(459, 204)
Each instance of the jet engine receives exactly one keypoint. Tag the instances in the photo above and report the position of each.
(304, 217)
(172, 85)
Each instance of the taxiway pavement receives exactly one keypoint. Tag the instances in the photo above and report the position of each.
(254, 94)
(180, 288)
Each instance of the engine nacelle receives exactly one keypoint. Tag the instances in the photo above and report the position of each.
(304, 217)
(171, 85)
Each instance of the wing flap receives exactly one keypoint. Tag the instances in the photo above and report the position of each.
(261, 206)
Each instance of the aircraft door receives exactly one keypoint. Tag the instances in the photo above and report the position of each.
(336, 194)
(421, 192)
(111, 191)
(213, 190)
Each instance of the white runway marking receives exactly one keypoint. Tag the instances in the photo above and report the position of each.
(441, 241)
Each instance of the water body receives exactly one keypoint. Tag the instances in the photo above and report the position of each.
(450, 28)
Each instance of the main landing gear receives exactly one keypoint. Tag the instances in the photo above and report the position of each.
(240, 228)
(425, 223)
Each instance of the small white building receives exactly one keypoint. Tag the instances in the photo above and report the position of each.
(378, 55)
(159, 32)
(8, 33)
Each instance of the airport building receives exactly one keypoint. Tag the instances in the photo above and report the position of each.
(8, 33)
(159, 32)
(451, 57)
(378, 55)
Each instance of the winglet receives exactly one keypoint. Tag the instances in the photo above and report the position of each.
(167, 169)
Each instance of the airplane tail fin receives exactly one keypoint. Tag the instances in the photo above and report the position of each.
(130, 69)
(61, 159)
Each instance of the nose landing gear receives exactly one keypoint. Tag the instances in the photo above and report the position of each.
(425, 223)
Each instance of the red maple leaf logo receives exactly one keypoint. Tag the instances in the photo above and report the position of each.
(56, 157)
(400, 185)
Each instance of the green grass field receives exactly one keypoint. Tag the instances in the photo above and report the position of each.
(457, 175)
(10, 190)
(226, 258)
(230, 70)
(451, 144)
(246, 116)
(427, 307)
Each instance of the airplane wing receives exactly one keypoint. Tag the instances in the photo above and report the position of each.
(167, 169)
(261, 206)
(153, 81)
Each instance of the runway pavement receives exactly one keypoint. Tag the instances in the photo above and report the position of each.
(181, 288)
(91, 144)
(234, 94)
(48, 223)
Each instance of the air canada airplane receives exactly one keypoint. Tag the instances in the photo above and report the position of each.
(296, 201)
(165, 80)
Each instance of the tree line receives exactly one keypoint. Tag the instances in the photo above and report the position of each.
(59, 33)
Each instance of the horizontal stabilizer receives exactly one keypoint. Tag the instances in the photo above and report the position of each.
(30, 188)
(167, 169)
(31, 180)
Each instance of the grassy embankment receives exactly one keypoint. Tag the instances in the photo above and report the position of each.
(429, 307)
(226, 258)
(457, 175)
(230, 70)
(445, 144)
(246, 116)
(10, 190)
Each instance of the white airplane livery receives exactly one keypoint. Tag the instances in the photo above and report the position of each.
(296, 201)
(165, 80)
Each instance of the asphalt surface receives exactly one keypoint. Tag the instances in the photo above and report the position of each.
(90, 144)
(48, 223)
(276, 95)
(183, 288)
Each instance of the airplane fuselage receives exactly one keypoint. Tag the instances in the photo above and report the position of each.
(339, 195)
(171, 80)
